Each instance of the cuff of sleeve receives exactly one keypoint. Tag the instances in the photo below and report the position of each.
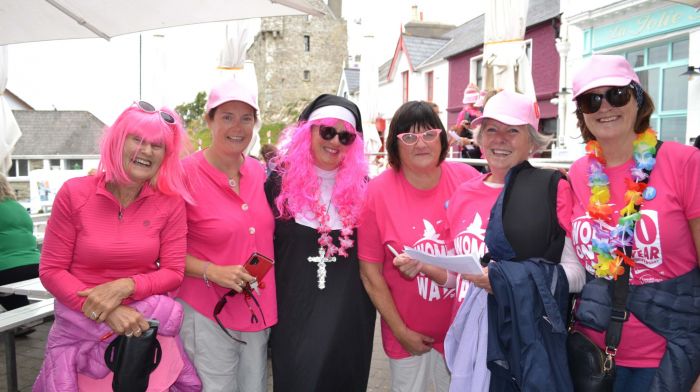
(451, 280)
(140, 287)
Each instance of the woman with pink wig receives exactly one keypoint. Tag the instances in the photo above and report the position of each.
(323, 338)
(115, 246)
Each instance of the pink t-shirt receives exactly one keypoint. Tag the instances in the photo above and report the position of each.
(225, 228)
(664, 247)
(400, 215)
(468, 216)
(91, 240)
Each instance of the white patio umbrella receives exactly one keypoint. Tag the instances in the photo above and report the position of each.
(45, 20)
(9, 130)
(506, 65)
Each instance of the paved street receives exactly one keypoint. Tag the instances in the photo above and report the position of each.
(30, 354)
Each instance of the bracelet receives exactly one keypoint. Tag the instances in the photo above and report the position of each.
(204, 274)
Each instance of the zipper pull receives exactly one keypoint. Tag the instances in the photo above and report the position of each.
(121, 215)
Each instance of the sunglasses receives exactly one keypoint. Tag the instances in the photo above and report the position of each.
(617, 97)
(344, 137)
(148, 108)
(410, 139)
(248, 293)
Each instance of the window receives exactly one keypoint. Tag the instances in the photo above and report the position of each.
(307, 43)
(476, 74)
(659, 68)
(307, 75)
(74, 164)
(55, 164)
(19, 168)
(429, 85)
(404, 77)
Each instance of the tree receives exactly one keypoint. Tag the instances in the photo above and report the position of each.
(192, 114)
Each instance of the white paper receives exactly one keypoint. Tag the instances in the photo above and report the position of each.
(462, 264)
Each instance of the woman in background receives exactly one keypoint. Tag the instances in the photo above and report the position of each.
(19, 257)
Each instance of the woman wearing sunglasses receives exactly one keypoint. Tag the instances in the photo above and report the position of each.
(114, 248)
(323, 339)
(406, 207)
(229, 222)
(631, 192)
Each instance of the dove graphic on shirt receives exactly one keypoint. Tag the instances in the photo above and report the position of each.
(431, 243)
(471, 239)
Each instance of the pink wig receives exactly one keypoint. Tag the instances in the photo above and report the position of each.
(296, 166)
(150, 127)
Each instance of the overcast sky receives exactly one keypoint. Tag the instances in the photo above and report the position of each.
(103, 77)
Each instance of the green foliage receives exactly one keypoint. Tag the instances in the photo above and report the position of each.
(274, 128)
(192, 114)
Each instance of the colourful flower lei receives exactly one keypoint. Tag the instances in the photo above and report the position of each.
(607, 245)
(325, 240)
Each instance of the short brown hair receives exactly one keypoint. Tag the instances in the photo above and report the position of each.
(640, 125)
(407, 116)
(6, 191)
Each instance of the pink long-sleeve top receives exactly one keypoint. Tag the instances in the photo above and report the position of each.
(90, 239)
(225, 228)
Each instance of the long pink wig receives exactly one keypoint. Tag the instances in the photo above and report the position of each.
(151, 128)
(296, 166)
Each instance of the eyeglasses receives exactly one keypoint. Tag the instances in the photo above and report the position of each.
(248, 293)
(410, 139)
(344, 137)
(617, 97)
(148, 108)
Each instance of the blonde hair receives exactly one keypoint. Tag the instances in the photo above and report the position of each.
(6, 191)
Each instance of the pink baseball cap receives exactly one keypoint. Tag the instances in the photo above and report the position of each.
(603, 70)
(511, 108)
(471, 94)
(232, 90)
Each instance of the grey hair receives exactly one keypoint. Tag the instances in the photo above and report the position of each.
(6, 191)
(539, 141)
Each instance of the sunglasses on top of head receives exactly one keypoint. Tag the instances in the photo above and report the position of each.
(410, 139)
(148, 108)
(616, 96)
(344, 137)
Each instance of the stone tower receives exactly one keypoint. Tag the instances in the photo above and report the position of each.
(296, 59)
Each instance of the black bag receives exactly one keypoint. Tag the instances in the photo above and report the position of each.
(133, 358)
(591, 369)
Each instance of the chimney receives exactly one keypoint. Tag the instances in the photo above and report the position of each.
(336, 7)
(414, 13)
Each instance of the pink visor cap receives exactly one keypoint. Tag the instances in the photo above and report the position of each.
(603, 70)
(511, 108)
(231, 90)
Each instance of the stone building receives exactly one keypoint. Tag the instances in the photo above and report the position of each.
(296, 59)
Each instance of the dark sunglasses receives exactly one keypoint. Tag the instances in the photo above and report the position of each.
(248, 293)
(617, 97)
(148, 108)
(344, 137)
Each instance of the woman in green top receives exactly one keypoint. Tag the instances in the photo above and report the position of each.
(19, 257)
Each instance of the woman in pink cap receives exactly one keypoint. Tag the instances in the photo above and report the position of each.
(406, 207)
(636, 224)
(113, 251)
(224, 334)
(532, 223)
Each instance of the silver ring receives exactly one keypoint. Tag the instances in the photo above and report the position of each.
(129, 334)
(93, 316)
(136, 331)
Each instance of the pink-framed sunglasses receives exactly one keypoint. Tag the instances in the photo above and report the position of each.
(410, 139)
